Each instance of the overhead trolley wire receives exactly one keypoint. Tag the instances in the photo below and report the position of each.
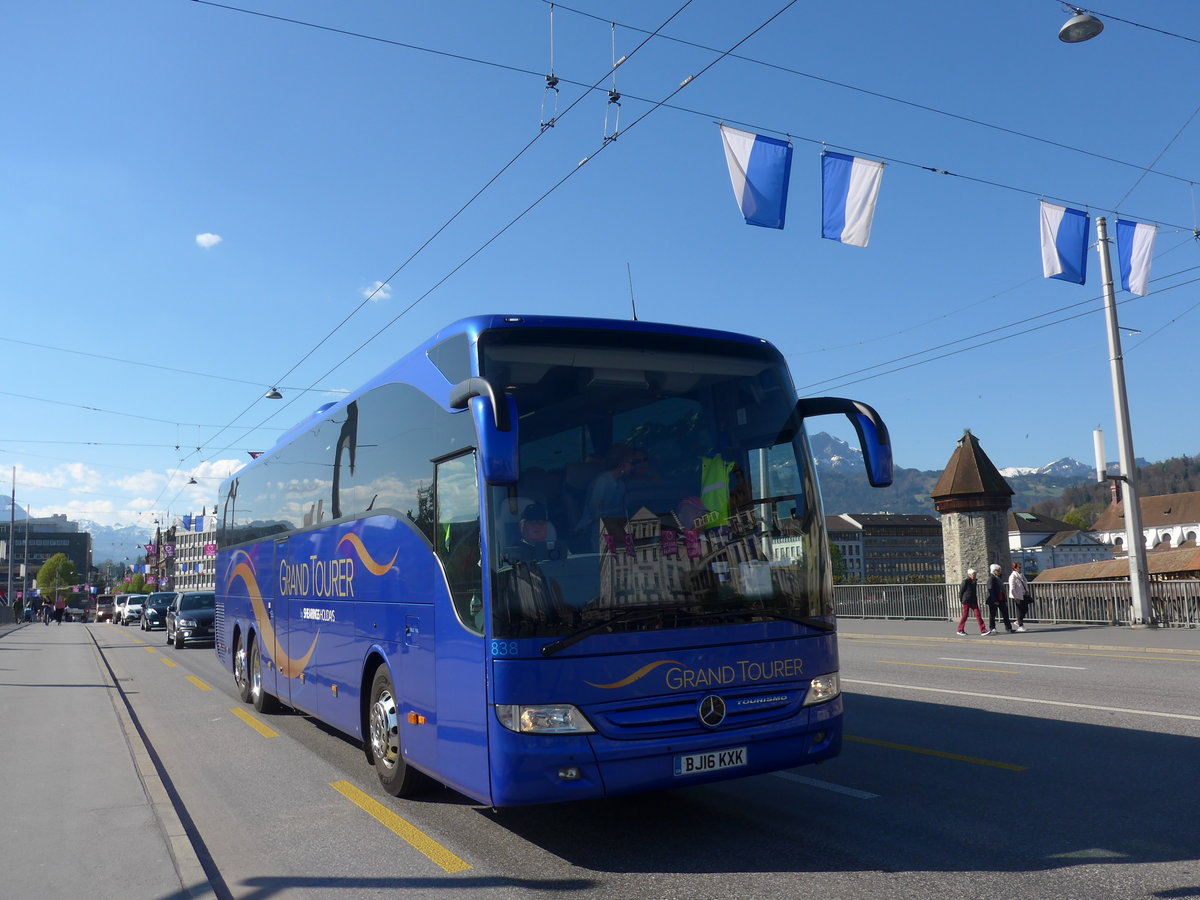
(986, 332)
(882, 96)
(570, 174)
(451, 219)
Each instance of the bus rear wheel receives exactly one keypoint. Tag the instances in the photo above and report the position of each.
(263, 702)
(383, 734)
(241, 675)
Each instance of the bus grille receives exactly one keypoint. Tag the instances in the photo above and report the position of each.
(653, 717)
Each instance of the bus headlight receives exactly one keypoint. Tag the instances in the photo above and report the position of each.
(555, 718)
(823, 688)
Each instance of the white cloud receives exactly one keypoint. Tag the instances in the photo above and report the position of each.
(207, 240)
(141, 483)
(379, 290)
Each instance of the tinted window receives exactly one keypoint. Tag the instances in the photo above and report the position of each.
(373, 454)
(196, 601)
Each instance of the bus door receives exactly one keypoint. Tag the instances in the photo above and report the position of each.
(296, 631)
(272, 639)
(461, 674)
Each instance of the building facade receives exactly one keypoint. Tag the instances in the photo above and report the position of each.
(898, 548)
(1039, 543)
(195, 553)
(1169, 522)
(34, 541)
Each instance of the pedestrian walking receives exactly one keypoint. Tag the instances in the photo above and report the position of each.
(1018, 590)
(970, 603)
(996, 599)
(60, 608)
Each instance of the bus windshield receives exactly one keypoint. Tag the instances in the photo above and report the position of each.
(657, 488)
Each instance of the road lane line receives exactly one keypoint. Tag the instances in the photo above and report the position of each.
(894, 662)
(168, 662)
(1005, 663)
(896, 643)
(402, 829)
(254, 723)
(1115, 656)
(826, 785)
(973, 760)
(198, 683)
(150, 650)
(1116, 709)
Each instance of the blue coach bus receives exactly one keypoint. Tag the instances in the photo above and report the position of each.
(545, 559)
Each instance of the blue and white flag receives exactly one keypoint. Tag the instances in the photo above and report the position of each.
(849, 189)
(1135, 247)
(1064, 243)
(759, 168)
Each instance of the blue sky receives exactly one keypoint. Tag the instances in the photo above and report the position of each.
(318, 163)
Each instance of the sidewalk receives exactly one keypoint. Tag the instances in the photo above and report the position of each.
(84, 811)
(1090, 637)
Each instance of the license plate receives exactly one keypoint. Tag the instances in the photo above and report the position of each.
(712, 761)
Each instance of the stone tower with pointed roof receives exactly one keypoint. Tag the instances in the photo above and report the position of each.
(973, 499)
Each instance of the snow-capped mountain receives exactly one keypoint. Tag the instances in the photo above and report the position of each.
(116, 542)
(1061, 468)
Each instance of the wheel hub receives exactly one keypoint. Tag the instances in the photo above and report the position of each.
(385, 730)
(239, 665)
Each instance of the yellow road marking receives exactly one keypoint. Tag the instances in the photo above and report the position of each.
(168, 662)
(893, 662)
(151, 650)
(138, 641)
(410, 833)
(938, 753)
(1115, 656)
(254, 723)
(887, 643)
(198, 683)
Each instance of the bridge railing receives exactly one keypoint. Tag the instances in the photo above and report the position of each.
(1174, 604)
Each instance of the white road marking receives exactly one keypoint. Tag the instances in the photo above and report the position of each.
(999, 663)
(1116, 709)
(825, 785)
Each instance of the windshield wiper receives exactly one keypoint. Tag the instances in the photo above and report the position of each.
(809, 621)
(627, 615)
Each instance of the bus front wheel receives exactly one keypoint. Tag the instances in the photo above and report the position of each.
(383, 722)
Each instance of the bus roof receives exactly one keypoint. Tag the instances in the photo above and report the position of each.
(416, 368)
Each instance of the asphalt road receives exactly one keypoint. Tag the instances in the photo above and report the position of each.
(972, 768)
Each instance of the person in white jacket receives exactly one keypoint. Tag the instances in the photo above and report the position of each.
(1018, 591)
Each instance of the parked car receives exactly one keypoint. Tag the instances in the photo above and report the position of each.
(154, 609)
(190, 618)
(104, 607)
(130, 609)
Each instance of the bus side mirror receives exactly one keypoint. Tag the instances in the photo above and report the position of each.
(872, 432)
(495, 416)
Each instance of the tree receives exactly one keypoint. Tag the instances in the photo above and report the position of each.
(837, 562)
(56, 573)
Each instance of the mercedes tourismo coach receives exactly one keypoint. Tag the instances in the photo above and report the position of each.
(543, 559)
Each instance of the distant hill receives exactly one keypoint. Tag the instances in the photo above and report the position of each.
(1052, 489)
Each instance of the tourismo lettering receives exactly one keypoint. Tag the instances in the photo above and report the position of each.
(317, 578)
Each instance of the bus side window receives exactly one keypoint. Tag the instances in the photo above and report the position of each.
(457, 537)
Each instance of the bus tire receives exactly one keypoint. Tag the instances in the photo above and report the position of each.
(383, 735)
(241, 669)
(263, 702)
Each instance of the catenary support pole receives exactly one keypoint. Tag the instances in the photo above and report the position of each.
(1135, 542)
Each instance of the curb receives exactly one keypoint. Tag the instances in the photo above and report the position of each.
(193, 880)
(1054, 645)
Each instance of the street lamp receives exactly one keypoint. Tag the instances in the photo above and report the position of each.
(1079, 28)
(1134, 541)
